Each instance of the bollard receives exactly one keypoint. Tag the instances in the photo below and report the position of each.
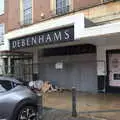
(39, 107)
(74, 112)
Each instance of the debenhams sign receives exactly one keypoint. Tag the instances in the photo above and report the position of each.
(45, 38)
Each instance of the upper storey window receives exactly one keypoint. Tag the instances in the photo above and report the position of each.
(62, 6)
(26, 9)
(2, 31)
(1, 7)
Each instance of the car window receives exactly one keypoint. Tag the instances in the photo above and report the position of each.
(2, 89)
(5, 85)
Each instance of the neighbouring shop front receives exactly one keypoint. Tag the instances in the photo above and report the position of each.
(13, 64)
(113, 70)
(63, 61)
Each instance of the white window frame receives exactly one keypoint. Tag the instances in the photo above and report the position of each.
(2, 34)
(22, 13)
(2, 10)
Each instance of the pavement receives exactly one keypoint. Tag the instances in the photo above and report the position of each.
(90, 106)
(54, 114)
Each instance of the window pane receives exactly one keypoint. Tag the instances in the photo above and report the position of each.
(62, 6)
(27, 9)
(1, 7)
(27, 4)
(2, 89)
(1, 33)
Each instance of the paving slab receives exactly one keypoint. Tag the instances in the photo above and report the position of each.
(92, 106)
(53, 114)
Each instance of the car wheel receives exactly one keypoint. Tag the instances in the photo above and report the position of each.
(27, 113)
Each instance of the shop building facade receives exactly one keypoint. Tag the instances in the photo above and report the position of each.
(73, 43)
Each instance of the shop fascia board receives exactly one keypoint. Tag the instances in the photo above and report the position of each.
(81, 32)
(76, 19)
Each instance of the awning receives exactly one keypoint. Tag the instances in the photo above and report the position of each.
(108, 34)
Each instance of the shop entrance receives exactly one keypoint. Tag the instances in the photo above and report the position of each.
(71, 66)
(113, 71)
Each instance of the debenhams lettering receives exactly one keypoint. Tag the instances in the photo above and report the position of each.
(43, 38)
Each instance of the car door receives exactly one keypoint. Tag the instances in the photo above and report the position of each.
(5, 87)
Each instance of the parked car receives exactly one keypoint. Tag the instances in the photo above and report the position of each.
(17, 101)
